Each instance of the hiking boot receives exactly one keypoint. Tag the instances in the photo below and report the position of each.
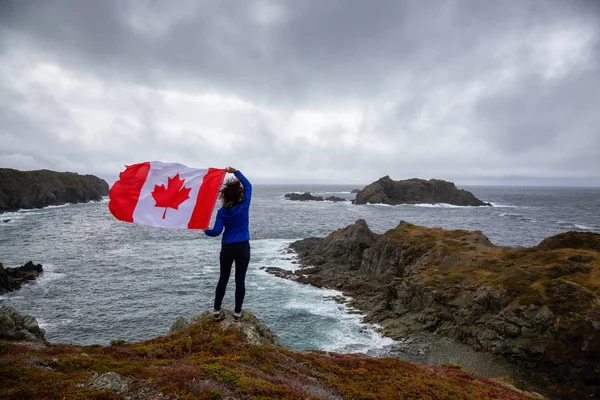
(217, 314)
(237, 316)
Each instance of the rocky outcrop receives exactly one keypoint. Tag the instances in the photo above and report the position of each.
(306, 196)
(253, 329)
(537, 307)
(13, 278)
(572, 240)
(19, 327)
(35, 189)
(416, 191)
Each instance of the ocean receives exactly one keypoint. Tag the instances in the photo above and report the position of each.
(105, 279)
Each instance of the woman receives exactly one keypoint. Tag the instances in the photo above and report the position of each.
(235, 245)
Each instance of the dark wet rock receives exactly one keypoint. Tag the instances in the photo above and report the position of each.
(355, 191)
(416, 191)
(280, 272)
(335, 199)
(13, 278)
(537, 308)
(19, 327)
(35, 189)
(306, 196)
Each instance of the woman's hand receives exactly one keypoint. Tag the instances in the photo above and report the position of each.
(231, 170)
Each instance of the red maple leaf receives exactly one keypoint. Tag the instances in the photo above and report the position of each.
(171, 196)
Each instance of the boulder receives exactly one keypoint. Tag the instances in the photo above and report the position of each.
(416, 191)
(19, 327)
(110, 381)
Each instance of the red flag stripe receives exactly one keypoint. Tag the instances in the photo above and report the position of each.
(207, 197)
(125, 192)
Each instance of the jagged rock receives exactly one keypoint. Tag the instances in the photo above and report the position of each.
(256, 332)
(416, 191)
(180, 324)
(280, 272)
(537, 307)
(303, 197)
(15, 326)
(35, 189)
(12, 278)
(111, 381)
(335, 199)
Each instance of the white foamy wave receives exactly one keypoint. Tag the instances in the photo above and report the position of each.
(344, 331)
(6, 220)
(437, 205)
(14, 217)
(58, 206)
(348, 334)
(518, 217)
(498, 205)
(49, 274)
(583, 227)
(274, 253)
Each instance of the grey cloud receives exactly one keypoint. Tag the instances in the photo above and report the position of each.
(346, 47)
(389, 58)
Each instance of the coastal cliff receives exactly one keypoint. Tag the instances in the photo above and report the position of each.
(415, 191)
(537, 307)
(206, 359)
(35, 189)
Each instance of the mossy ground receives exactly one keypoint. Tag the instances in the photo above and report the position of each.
(209, 362)
(567, 280)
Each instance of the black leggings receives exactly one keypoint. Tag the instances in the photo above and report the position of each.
(230, 252)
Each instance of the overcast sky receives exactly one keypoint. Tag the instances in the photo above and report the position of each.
(479, 91)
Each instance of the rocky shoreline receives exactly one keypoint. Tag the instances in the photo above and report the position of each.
(537, 308)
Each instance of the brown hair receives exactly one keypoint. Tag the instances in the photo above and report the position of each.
(232, 193)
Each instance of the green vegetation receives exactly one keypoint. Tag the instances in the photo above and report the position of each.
(565, 279)
(209, 362)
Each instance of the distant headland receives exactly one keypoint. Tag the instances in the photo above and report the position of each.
(41, 188)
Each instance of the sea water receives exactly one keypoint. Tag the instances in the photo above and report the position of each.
(106, 279)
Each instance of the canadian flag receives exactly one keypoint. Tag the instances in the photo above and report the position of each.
(167, 195)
